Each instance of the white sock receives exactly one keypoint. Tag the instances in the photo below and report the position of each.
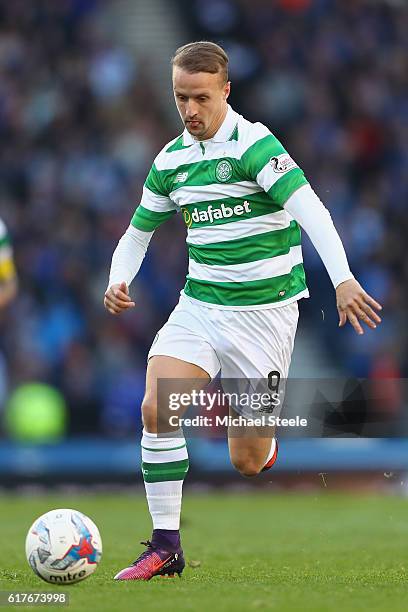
(164, 467)
(271, 452)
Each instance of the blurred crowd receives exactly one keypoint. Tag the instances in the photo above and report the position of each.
(80, 125)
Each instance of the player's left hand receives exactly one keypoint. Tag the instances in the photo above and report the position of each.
(354, 304)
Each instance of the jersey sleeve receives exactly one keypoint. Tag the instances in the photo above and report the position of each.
(7, 269)
(155, 206)
(268, 163)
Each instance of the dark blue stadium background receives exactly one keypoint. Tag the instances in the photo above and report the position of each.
(80, 123)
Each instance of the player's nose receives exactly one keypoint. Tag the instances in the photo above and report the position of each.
(191, 109)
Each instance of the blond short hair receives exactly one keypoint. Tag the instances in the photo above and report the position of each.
(202, 56)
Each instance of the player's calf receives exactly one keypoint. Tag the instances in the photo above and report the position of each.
(246, 466)
(149, 413)
(250, 462)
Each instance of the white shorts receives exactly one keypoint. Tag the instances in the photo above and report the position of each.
(237, 343)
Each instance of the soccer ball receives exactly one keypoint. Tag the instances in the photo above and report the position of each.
(63, 546)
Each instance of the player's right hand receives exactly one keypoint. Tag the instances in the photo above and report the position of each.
(117, 298)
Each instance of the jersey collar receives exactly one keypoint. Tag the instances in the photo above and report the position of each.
(224, 133)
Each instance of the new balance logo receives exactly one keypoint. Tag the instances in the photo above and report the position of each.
(181, 177)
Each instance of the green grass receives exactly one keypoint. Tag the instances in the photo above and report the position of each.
(256, 551)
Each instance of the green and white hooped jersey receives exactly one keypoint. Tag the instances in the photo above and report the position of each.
(244, 248)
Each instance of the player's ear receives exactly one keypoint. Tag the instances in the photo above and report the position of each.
(227, 89)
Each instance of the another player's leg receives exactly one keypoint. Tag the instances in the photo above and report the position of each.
(164, 467)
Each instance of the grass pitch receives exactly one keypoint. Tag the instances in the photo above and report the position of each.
(254, 551)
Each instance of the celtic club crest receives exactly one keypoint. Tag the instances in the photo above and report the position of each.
(223, 171)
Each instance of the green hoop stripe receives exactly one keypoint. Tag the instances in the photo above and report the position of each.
(161, 472)
(162, 450)
(250, 248)
(258, 154)
(248, 293)
(281, 191)
(148, 220)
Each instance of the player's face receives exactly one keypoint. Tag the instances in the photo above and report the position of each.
(201, 100)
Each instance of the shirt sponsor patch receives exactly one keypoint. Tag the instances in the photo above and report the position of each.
(282, 163)
(211, 214)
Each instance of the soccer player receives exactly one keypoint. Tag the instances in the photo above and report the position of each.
(8, 278)
(243, 199)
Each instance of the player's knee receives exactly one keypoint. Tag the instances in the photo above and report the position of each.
(149, 414)
(246, 466)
